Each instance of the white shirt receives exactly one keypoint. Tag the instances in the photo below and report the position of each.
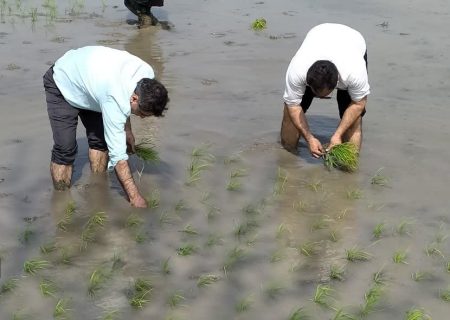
(102, 79)
(344, 47)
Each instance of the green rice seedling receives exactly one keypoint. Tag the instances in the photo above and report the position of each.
(244, 304)
(234, 256)
(343, 156)
(378, 179)
(445, 295)
(9, 286)
(342, 214)
(280, 183)
(234, 185)
(134, 221)
(143, 285)
(259, 24)
(417, 314)
(238, 173)
(354, 194)
(66, 256)
(447, 267)
(48, 288)
(142, 290)
(337, 272)
(68, 216)
(355, 254)
(201, 152)
(140, 237)
(300, 206)
(342, 315)
(61, 309)
(282, 230)
(400, 257)
(299, 314)
(110, 315)
(277, 256)
(33, 13)
(186, 250)
(214, 240)
(322, 223)
(433, 250)
(117, 262)
(371, 299)
(379, 277)
(146, 152)
(96, 281)
(421, 275)
(207, 279)
(323, 295)
(212, 212)
(154, 199)
(26, 235)
(188, 229)
(316, 185)
(404, 227)
(309, 248)
(378, 230)
(195, 169)
(245, 228)
(19, 315)
(251, 210)
(48, 248)
(180, 206)
(235, 158)
(165, 267)
(33, 265)
(175, 299)
(165, 218)
(335, 235)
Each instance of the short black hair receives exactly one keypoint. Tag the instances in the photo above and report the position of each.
(322, 75)
(153, 96)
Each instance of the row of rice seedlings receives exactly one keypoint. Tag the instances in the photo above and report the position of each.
(355, 254)
(280, 183)
(61, 309)
(34, 265)
(187, 250)
(175, 299)
(234, 256)
(323, 295)
(96, 222)
(299, 314)
(141, 293)
(207, 279)
(417, 314)
(9, 286)
(48, 288)
(400, 256)
(344, 156)
(244, 304)
(68, 216)
(97, 279)
(378, 179)
(445, 295)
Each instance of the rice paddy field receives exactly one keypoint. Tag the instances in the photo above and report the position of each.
(237, 227)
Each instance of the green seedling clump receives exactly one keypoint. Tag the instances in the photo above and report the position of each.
(354, 254)
(259, 24)
(343, 156)
(417, 314)
(33, 265)
(299, 314)
(142, 290)
(8, 286)
(323, 295)
(146, 152)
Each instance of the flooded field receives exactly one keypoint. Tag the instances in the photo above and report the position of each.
(237, 228)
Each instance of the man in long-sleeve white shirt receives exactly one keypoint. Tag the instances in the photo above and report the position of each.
(331, 56)
(101, 86)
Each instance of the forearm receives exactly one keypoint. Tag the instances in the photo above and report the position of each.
(351, 114)
(298, 118)
(126, 179)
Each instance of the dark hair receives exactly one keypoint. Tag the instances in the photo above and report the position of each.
(152, 95)
(322, 75)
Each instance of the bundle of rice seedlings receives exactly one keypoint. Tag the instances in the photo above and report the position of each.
(343, 156)
(146, 152)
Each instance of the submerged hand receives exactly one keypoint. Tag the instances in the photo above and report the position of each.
(334, 141)
(315, 147)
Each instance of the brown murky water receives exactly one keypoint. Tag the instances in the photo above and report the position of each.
(271, 242)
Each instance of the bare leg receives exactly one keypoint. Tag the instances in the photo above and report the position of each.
(61, 175)
(354, 133)
(98, 160)
(289, 133)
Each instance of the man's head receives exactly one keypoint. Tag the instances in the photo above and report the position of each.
(322, 77)
(149, 99)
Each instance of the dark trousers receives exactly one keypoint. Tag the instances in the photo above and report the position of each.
(64, 120)
(342, 97)
(139, 7)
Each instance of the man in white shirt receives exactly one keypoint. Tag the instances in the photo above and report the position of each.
(331, 56)
(101, 86)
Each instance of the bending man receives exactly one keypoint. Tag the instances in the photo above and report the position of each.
(331, 56)
(102, 86)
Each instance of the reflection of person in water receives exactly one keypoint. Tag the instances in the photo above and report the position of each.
(142, 9)
(102, 86)
(331, 56)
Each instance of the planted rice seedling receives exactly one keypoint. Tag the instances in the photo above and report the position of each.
(244, 304)
(61, 309)
(214, 240)
(277, 256)
(447, 267)
(245, 228)
(342, 315)
(134, 221)
(280, 183)
(188, 229)
(140, 237)
(117, 262)
(299, 314)
(323, 295)
(421, 275)
(234, 256)
(417, 314)
(9, 286)
(355, 254)
(180, 206)
(110, 315)
(95, 222)
(378, 179)
(322, 223)
(207, 279)
(165, 218)
(378, 230)
(309, 248)
(153, 199)
(379, 277)
(165, 267)
(433, 250)
(405, 227)
(48, 248)
(259, 24)
(337, 272)
(238, 173)
(371, 299)
(342, 214)
(48, 288)
(202, 152)
(186, 250)
(98, 278)
(175, 299)
(146, 152)
(34, 265)
(195, 169)
(141, 293)
(400, 257)
(282, 230)
(300, 206)
(344, 156)
(334, 235)
(445, 295)
(354, 194)
(68, 216)
(26, 235)
(234, 184)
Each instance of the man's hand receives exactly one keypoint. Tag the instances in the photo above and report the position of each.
(131, 147)
(138, 202)
(315, 147)
(335, 140)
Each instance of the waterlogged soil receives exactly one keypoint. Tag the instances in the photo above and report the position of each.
(238, 228)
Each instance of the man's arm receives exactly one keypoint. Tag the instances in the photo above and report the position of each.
(298, 118)
(351, 114)
(126, 179)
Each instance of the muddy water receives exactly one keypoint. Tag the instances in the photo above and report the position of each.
(289, 219)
